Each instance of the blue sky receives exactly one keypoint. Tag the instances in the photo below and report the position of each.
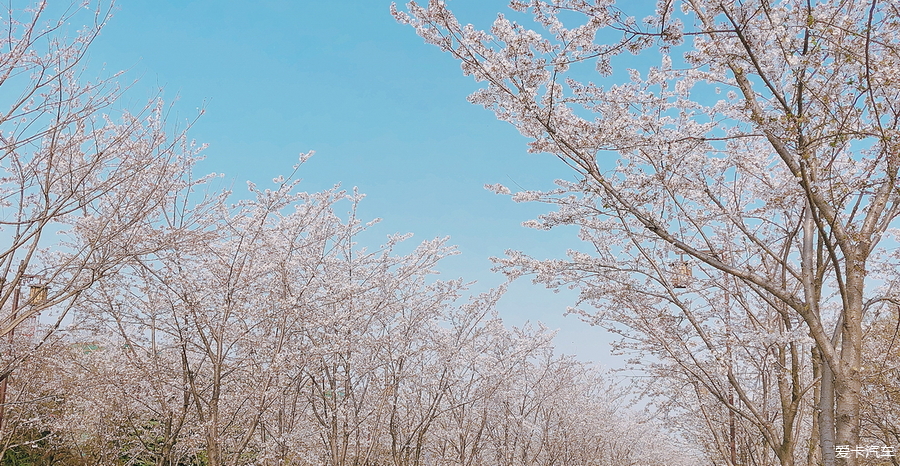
(384, 112)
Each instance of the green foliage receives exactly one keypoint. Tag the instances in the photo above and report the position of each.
(39, 448)
(35, 448)
(153, 451)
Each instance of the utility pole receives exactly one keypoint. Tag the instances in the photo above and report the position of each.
(9, 342)
(37, 295)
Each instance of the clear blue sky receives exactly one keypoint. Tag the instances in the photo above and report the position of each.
(383, 111)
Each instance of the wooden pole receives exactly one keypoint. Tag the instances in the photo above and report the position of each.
(5, 382)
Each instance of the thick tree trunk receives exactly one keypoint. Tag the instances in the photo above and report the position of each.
(214, 458)
(847, 382)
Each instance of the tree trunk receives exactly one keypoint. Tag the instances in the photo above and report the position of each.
(847, 382)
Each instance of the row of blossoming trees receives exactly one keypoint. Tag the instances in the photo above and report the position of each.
(149, 319)
(735, 181)
(265, 335)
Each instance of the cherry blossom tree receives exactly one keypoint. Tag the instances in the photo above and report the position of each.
(82, 186)
(750, 145)
(206, 330)
(267, 335)
(267, 329)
